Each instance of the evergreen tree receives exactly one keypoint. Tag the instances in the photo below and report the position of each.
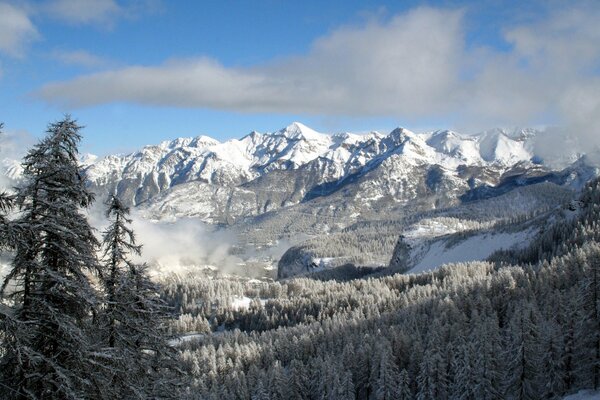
(298, 380)
(7, 234)
(404, 392)
(134, 319)
(523, 353)
(47, 351)
(260, 393)
(389, 380)
(589, 325)
(487, 367)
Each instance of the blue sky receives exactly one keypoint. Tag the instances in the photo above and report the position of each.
(141, 71)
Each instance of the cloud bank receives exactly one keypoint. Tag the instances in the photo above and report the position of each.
(184, 245)
(16, 30)
(180, 246)
(377, 69)
(97, 12)
(415, 65)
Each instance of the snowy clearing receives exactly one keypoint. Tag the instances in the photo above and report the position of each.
(185, 338)
(478, 247)
(243, 303)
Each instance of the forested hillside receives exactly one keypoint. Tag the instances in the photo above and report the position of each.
(479, 330)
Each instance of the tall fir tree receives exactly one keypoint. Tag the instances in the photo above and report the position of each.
(46, 349)
(134, 318)
(389, 380)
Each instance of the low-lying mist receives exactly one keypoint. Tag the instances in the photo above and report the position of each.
(185, 245)
(180, 246)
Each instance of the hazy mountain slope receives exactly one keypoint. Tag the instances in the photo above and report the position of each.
(285, 187)
(465, 232)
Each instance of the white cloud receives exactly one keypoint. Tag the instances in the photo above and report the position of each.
(83, 11)
(16, 30)
(415, 65)
(397, 67)
(80, 58)
(98, 12)
(192, 243)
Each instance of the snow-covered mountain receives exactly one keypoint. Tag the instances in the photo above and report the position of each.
(296, 184)
(240, 178)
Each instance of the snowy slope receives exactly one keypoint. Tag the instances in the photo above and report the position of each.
(431, 255)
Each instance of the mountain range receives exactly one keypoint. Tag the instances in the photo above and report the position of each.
(223, 182)
(297, 184)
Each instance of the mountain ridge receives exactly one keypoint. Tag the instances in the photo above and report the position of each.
(143, 174)
(296, 183)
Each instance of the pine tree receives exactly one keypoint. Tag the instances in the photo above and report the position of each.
(432, 380)
(388, 382)
(523, 353)
(404, 386)
(134, 319)
(47, 351)
(7, 233)
(260, 393)
(589, 325)
(298, 380)
(487, 367)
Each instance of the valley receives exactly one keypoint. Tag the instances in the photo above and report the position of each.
(296, 200)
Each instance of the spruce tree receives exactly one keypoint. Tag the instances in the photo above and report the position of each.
(134, 318)
(389, 380)
(46, 349)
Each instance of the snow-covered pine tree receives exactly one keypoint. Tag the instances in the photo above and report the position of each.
(404, 386)
(389, 380)
(7, 234)
(134, 319)
(7, 238)
(588, 323)
(298, 380)
(523, 353)
(47, 351)
(6, 242)
(114, 352)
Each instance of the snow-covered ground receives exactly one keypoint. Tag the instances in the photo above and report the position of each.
(185, 338)
(4, 268)
(476, 247)
(584, 395)
(440, 226)
(243, 302)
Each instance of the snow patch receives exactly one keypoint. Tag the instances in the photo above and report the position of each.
(243, 303)
(185, 338)
(474, 248)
